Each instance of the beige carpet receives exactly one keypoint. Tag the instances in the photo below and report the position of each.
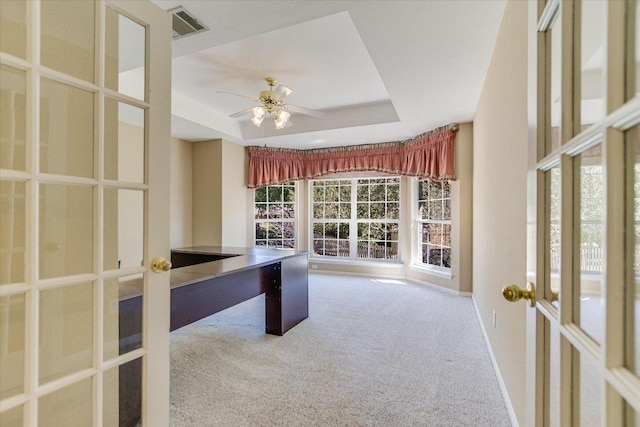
(372, 353)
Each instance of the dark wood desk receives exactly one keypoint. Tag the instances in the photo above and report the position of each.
(204, 281)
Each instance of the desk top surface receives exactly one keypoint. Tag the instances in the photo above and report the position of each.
(239, 259)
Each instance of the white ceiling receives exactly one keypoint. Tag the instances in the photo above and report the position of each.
(380, 70)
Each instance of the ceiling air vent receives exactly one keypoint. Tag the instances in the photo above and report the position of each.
(185, 24)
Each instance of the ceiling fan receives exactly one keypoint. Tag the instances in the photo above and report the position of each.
(271, 103)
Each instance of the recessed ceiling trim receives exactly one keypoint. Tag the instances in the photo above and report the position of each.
(337, 118)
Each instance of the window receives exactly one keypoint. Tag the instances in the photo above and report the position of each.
(434, 223)
(275, 219)
(356, 218)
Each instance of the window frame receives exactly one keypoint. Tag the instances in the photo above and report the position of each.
(282, 220)
(353, 221)
(417, 222)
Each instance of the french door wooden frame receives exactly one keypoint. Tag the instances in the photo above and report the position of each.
(154, 351)
(615, 134)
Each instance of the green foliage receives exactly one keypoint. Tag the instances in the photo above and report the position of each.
(376, 199)
(277, 204)
(434, 200)
(261, 194)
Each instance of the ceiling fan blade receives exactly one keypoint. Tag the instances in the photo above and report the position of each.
(235, 94)
(282, 91)
(241, 113)
(289, 124)
(305, 111)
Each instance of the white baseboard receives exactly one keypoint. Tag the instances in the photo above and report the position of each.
(440, 288)
(392, 276)
(358, 274)
(503, 387)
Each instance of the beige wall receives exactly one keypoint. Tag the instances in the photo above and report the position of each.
(234, 194)
(207, 194)
(219, 196)
(181, 193)
(203, 175)
(499, 200)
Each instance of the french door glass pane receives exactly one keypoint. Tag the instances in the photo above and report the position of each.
(123, 228)
(637, 52)
(122, 331)
(65, 340)
(69, 406)
(68, 37)
(633, 310)
(13, 117)
(590, 393)
(554, 373)
(66, 230)
(12, 313)
(13, 28)
(553, 181)
(632, 416)
(125, 55)
(592, 60)
(122, 396)
(555, 101)
(66, 129)
(591, 205)
(124, 134)
(13, 417)
(12, 230)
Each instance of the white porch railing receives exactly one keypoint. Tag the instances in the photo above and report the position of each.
(591, 260)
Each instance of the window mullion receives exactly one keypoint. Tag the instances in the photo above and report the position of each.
(353, 221)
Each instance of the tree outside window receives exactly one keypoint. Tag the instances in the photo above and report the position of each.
(434, 223)
(356, 218)
(274, 213)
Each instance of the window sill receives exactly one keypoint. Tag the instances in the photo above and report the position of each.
(442, 273)
(357, 261)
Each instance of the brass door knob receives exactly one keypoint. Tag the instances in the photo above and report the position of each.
(160, 264)
(513, 293)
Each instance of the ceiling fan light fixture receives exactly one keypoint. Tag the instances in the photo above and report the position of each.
(283, 115)
(259, 112)
(279, 123)
(257, 121)
(281, 118)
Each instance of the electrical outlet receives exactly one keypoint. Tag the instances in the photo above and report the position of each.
(494, 318)
(314, 266)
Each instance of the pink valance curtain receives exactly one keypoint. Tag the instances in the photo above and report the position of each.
(429, 155)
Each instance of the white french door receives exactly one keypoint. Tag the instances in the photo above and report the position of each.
(583, 336)
(84, 208)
